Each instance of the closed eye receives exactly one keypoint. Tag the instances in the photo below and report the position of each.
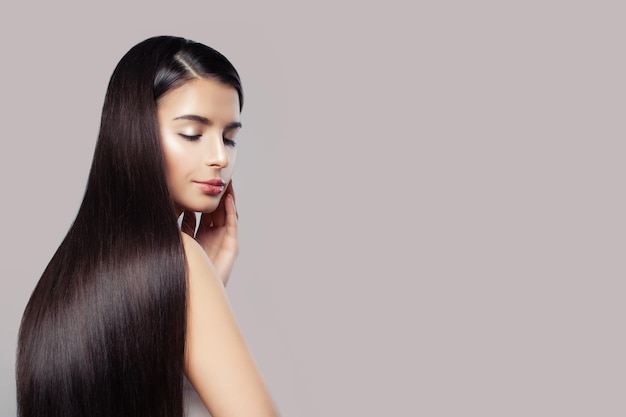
(190, 137)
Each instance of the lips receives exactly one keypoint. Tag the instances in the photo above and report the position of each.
(212, 187)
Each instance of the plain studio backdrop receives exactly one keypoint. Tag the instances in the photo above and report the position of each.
(431, 196)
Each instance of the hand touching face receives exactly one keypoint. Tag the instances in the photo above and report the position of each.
(198, 122)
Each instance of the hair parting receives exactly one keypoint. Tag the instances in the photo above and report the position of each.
(182, 62)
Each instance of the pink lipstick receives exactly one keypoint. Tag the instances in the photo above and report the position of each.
(211, 187)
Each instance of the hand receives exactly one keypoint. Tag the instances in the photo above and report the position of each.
(217, 233)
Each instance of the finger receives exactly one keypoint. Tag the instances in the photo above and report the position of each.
(189, 223)
(231, 191)
(219, 215)
(231, 212)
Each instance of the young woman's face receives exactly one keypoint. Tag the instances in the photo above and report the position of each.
(198, 122)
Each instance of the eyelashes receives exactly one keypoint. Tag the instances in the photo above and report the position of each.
(190, 137)
(193, 138)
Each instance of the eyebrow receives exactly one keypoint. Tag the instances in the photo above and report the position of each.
(205, 121)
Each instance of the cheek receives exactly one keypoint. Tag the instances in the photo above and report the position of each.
(178, 159)
(232, 159)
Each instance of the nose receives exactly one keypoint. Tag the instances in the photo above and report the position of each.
(216, 155)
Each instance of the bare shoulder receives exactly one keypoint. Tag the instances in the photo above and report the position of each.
(218, 362)
(198, 263)
(193, 250)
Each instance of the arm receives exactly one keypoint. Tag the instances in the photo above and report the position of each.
(218, 362)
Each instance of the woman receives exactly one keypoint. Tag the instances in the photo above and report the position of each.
(129, 305)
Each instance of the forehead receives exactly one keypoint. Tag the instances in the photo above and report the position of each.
(201, 96)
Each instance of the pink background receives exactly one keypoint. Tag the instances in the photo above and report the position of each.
(431, 197)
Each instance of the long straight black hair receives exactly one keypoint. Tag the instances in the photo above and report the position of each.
(103, 333)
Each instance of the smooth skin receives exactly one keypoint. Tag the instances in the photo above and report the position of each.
(197, 123)
(217, 233)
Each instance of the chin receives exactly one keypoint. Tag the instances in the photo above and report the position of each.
(204, 207)
(199, 204)
(207, 210)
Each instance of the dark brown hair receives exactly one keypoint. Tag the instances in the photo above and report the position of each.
(103, 333)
